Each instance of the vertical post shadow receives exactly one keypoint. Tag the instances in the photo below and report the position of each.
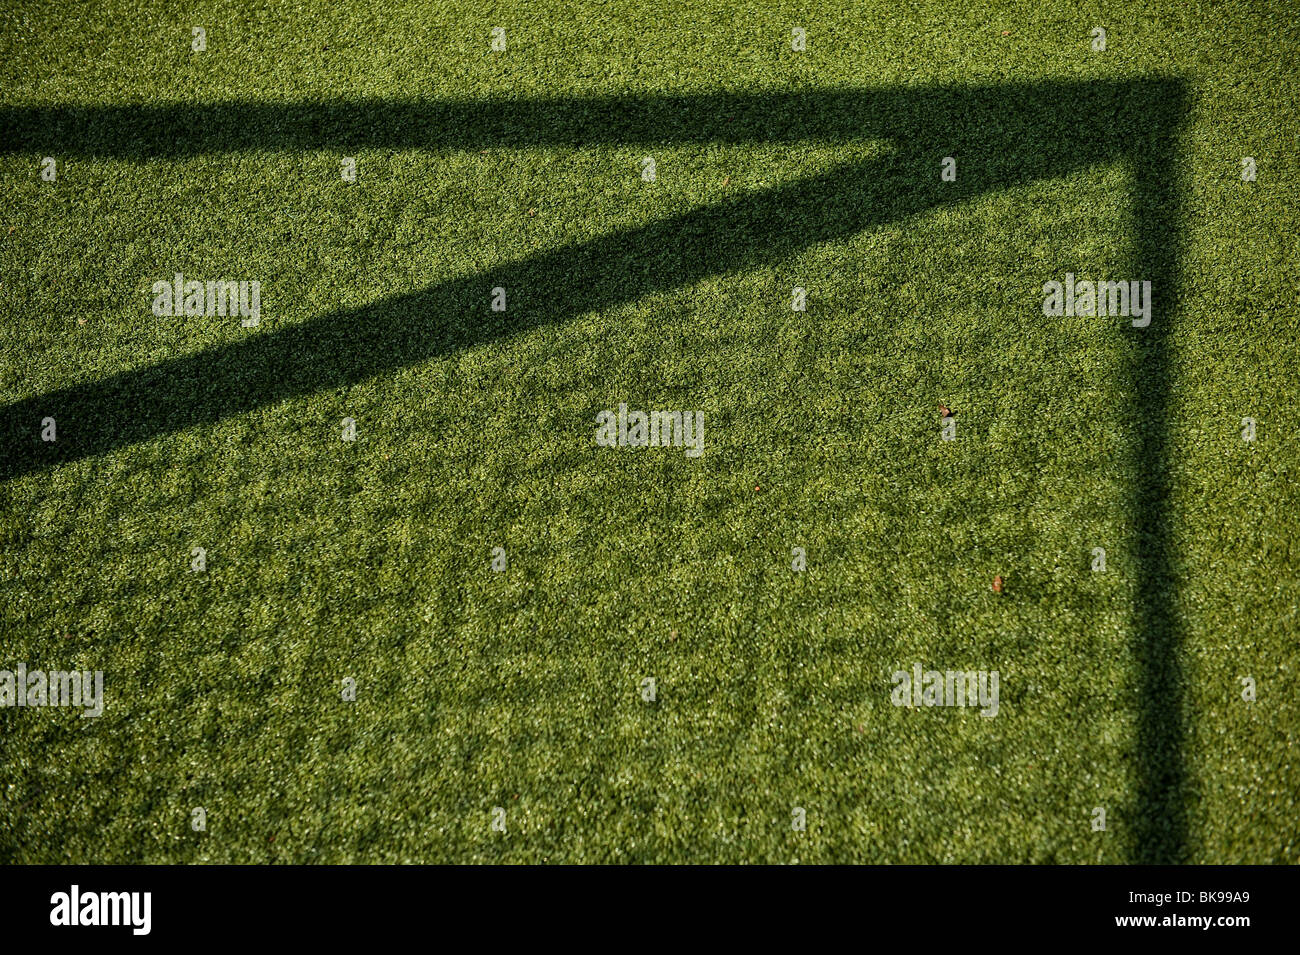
(1159, 808)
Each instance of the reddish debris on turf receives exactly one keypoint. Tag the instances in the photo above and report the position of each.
(997, 585)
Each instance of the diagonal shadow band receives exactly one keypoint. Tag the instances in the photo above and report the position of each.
(1024, 132)
(355, 345)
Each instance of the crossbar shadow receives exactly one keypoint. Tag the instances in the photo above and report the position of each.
(1023, 132)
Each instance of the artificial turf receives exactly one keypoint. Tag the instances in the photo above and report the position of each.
(372, 560)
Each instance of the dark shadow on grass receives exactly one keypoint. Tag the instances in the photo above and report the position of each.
(1160, 810)
(1020, 133)
(1058, 118)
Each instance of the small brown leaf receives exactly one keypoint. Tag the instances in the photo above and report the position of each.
(944, 411)
(997, 585)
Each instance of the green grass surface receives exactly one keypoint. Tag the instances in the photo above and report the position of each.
(521, 689)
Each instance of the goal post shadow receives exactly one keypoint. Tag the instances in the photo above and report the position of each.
(1021, 132)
